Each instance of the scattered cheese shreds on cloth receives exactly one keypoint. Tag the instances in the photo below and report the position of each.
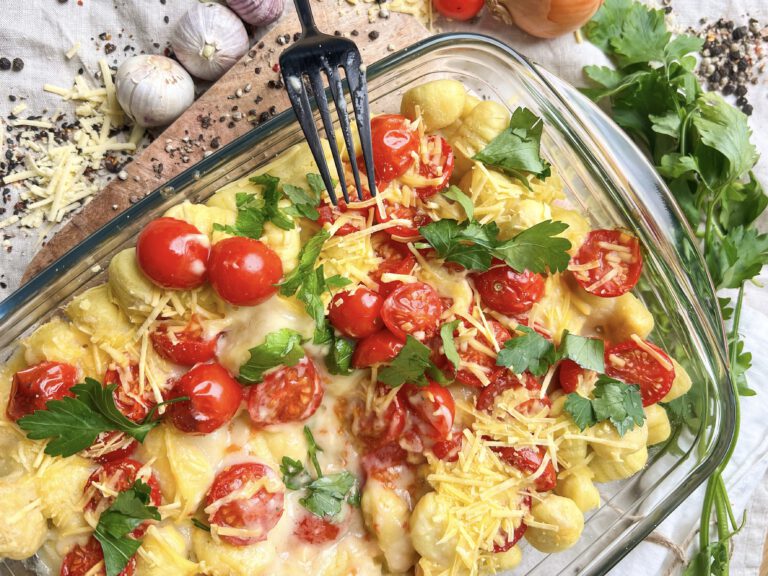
(420, 9)
(56, 164)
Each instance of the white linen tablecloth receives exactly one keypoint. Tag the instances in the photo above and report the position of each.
(40, 31)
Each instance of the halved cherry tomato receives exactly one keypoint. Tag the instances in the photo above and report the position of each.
(509, 542)
(34, 386)
(504, 380)
(316, 530)
(535, 406)
(448, 449)
(611, 261)
(244, 271)
(434, 405)
(376, 429)
(214, 397)
(633, 364)
(383, 463)
(356, 313)
(288, 394)
(403, 232)
(81, 560)
(413, 309)
(464, 376)
(459, 9)
(394, 144)
(529, 459)
(329, 214)
(186, 347)
(397, 259)
(440, 165)
(258, 513)
(507, 291)
(379, 347)
(569, 373)
(173, 254)
(119, 476)
(111, 446)
(129, 399)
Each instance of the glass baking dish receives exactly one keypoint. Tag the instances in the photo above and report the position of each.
(604, 174)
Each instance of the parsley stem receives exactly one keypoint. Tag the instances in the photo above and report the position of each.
(148, 418)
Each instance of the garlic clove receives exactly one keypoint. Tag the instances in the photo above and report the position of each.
(257, 12)
(209, 39)
(153, 90)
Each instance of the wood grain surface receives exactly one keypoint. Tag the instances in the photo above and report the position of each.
(248, 94)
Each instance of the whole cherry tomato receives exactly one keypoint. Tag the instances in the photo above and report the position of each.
(413, 309)
(316, 530)
(356, 313)
(34, 386)
(378, 348)
(186, 347)
(609, 263)
(507, 291)
(81, 561)
(134, 403)
(403, 232)
(258, 512)
(529, 459)
(569, 373)
(439, 165)
(459, 9)
(173, 254)
(634, 364)
(214, 397)
(118, 476)
(244, 271)
(111, 446)
(434, 405)
(394, 144)
(289, 394)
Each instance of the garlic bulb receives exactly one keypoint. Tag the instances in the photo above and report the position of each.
(544, 18)
(209, 39)
(257, 12)
(153, 90)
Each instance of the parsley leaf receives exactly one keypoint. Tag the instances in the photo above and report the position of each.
(456, 194)
(643, 39)
(516, 149)
(408, 366)
(339, 359)
(449, 346)
(304, 203)
(620, 403)
(737, 257)
(467, 243)
(529, 351)
(307, 258)
(271, 195)
(250, 217)
(586, 352)
(581, 411)
(280, 348)
(73, 424)
(130, 508)
(312, 450)
(537, 249)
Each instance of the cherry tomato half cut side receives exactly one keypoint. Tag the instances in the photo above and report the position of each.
(173, 254)
(288, 394)
(439, 166)
(413, 309)
(608, 264)
(81, 560)
(633, 363)
(185, 347)
(434, 405)
(505, 290)
(33, 387)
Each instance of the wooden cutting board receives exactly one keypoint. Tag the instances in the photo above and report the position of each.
(248, 94)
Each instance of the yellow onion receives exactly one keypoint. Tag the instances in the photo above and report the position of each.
(544, 18)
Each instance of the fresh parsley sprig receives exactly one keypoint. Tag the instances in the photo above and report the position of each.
(130, 509)
(620, 403)
(280, 348)
(73, 423)
(325, 493)
(411, 365)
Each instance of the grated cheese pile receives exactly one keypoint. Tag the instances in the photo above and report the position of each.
(57, 166)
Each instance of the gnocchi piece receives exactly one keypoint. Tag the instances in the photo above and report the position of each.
(23, 528)
(578, 227)
(221, 559)
(579, 488)
(441, 103)
(629, 316)
(287, 440)
(287, 244)
(571, 451)
(132, 290)
(561, 513)
(386, 514)
(60, 483)
(502, 560)
(201, 216)
(680, 385)
(56, 340)
(483, 123)
(95, 313)
(164, 550)
(469, 104)
(428, 524)
(529, 213)
(608, 445)
(610, 470)
(659, 428)
(555, 311)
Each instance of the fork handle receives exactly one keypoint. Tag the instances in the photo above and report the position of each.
(304, 11)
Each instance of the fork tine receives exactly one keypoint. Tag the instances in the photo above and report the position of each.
(337, 90)
(300, 102)
(322, 104)
(358, 90)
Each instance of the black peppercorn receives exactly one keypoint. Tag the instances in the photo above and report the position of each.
(741, 90)
(714, 78)
(166, 19)
(739, 33)
(728, 89)
(741, 101)
(373, 34)
(5, 64)
(17, 65)
(747, 109)
(742, 65)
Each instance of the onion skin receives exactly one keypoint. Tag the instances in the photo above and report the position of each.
(257, 12)
(544, 18)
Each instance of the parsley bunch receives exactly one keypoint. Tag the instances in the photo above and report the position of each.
(701, 146)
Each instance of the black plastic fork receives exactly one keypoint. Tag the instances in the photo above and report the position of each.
(316, 53)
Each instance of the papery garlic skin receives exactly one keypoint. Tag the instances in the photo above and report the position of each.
(153, 90)
(257, 12)
(209, 39)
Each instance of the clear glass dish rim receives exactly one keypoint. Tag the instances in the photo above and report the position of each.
(26, 293)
